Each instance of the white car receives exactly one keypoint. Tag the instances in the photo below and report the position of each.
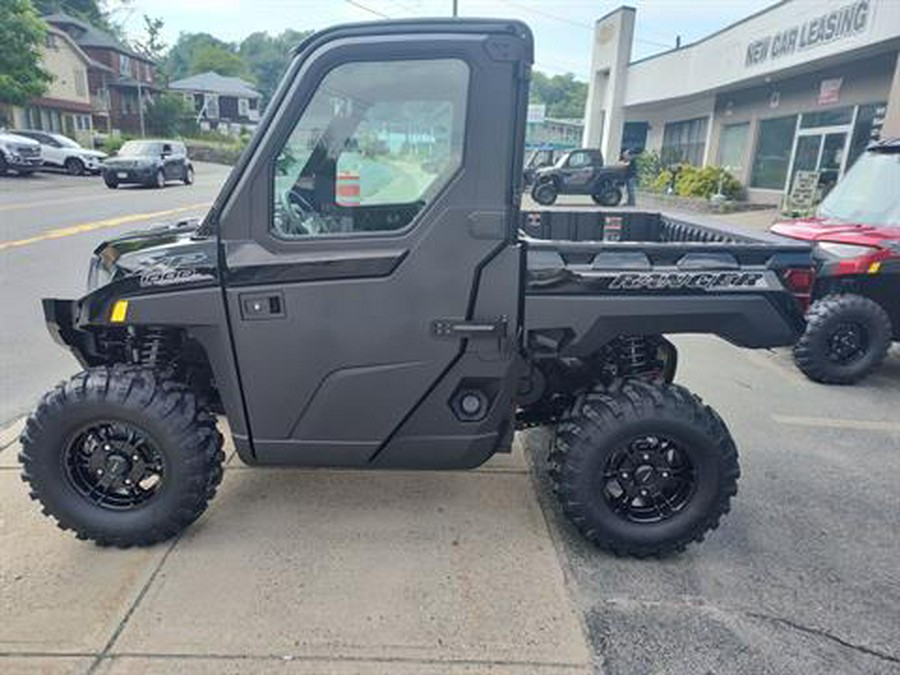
(18, 154)
(62, 152)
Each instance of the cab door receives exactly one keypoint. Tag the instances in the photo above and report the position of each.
(578, 172)
(369, 244)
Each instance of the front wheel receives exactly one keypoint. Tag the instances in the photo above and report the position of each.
(74, 166)
(188, 175)
(644, 469)
(847, 337)
(160, 180)
(544, 193)
(110, 182)
(122, 456)
(608, 196)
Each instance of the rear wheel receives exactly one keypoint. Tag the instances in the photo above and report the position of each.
(847, 337)
(4, 166)
(644, 469)
(74, 166)
(544, 193)
(160, 180)
(122, 456)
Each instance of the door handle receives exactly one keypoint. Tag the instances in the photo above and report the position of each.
(258, 306)
(452, 328)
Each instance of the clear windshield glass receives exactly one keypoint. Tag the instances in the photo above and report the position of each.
(140, 149)
(868, 192)
(65, 141)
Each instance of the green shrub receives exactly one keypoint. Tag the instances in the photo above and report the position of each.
(662, 181)
(648, 168)
(112, 143)
(704, 182)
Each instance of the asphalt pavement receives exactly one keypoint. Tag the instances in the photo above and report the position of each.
(319, 571)
(49, 225)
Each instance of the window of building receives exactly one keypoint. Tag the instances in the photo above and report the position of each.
(733, 146)
(869, 120)
(634, 136)
(124, 65)
(254, 103)
(773, 152)
(375, 145)
(826, 118)
(684, 142)
(243, 107)
(79, 76)
(211, 101)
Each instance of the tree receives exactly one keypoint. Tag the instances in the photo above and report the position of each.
(167, 115)
(218, 59)
(563, 95)
(152, 46)
(182, 59)
(100, 14)
(267, 57)
(21, 34)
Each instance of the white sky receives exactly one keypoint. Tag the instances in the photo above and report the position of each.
(562, 28)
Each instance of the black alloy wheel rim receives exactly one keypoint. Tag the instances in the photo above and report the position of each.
(649, 480)
(114, 465)
(847, 343)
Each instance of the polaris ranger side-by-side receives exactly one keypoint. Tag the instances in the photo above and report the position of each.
(366, 293)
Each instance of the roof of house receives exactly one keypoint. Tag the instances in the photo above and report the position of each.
(214, 83)
(90, 36)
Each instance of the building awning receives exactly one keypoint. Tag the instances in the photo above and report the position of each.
(61, 104)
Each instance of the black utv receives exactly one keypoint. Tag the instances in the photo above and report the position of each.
(363, 295)
(580, 172)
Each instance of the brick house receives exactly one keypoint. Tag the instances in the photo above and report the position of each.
(117, 78)
(227, 104)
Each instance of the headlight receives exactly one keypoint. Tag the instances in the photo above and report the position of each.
(845, 250)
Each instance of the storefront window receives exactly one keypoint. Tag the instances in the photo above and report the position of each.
(826, 118)
(773, 152)
(733, 146)
(684, 142)
(869, 121)
(634, 136)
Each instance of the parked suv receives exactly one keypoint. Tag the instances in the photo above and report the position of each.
(18, 154)
(855, 311)
(148, 162)
(62, 152)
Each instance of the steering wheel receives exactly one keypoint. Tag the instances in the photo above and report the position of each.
(299, 216)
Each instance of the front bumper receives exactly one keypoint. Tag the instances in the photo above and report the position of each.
(20, 162)
(138, 175)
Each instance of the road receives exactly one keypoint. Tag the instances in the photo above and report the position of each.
(49, 224)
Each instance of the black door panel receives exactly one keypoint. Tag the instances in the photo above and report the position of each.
(373, 211)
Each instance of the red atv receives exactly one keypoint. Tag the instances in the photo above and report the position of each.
(855, 294)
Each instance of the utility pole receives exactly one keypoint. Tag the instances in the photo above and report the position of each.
(455, 7)
(140, 103)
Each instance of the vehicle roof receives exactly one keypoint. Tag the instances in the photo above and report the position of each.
(886, 145)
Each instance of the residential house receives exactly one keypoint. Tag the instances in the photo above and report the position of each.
(65, 107)
(118, 78)
(227, 104)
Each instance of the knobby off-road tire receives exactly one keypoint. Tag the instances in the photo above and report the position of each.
(139, 415)
(544, 193)
(655, 438)
(825, 352)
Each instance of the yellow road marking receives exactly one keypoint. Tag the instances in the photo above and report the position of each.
(832, 423)
(97, 225)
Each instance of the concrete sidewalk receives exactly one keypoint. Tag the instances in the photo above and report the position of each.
(299, 571)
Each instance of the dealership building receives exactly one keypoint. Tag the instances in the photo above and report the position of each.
(804, 85)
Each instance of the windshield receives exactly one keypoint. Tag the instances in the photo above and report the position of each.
(65, 141)
(140, 149)
(867, 194)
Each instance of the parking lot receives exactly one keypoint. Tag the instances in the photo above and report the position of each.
(325, 571)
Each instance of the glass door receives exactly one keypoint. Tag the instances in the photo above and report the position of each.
(821, 150)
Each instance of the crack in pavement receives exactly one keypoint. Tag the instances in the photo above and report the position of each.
(824, 634)
(131, 610)
(698, 603)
